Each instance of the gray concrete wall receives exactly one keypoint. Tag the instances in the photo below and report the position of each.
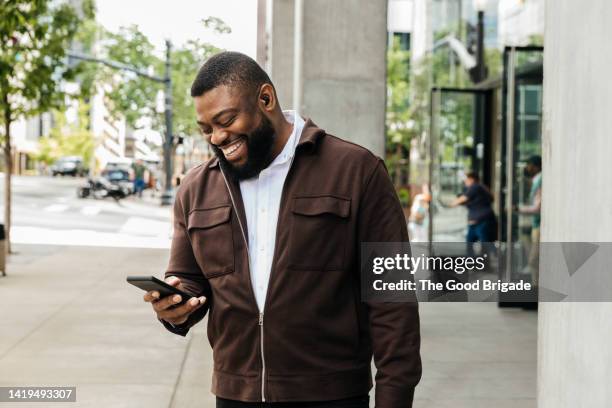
(344, 66)
(280, 50)
(574, 352)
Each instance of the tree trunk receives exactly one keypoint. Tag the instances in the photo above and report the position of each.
(8, 161)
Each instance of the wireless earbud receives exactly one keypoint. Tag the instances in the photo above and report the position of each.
(266, 99)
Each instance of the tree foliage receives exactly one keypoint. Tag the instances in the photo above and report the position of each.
(74, 139)
(398, 94)
(185, 63)
(397, 114)
(34, 37)
(127, 94)
(133, 97)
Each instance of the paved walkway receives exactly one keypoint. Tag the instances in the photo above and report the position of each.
(69, 318)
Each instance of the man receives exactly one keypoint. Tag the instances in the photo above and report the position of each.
(139, 173)
(482, 224)
(266, 239)
(533, 170)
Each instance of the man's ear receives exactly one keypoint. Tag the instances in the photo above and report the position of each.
(267, 98)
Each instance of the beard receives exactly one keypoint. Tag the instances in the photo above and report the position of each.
(259, 152)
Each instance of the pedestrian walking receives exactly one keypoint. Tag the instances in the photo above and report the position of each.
(418, 222)
(139, 177)
(266, 239)
(482, 224)
(533, 170)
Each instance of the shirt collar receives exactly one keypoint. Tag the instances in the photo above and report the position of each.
(289, 149)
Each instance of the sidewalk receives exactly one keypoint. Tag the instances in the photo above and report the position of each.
(70, 319)
(476, 355)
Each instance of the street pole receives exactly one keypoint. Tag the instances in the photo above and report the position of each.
(480, 56)
(479, 101)
(168, 194)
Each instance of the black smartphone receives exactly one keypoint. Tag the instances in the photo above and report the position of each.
(149, 283)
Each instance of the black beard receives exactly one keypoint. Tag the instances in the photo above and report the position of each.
(259, 152)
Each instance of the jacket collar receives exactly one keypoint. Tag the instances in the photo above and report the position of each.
(311, 134)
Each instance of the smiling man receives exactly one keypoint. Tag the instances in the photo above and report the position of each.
(266, 239)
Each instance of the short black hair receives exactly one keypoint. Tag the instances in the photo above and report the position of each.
(473, 175)
(535, 161)
(229, 68)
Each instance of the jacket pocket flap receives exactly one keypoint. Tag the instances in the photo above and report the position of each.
(322, 205)
(208, 217)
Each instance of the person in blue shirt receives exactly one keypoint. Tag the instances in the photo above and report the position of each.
(482, 224)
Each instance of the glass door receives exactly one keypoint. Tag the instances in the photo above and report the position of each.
(522, 136)
(457, 147)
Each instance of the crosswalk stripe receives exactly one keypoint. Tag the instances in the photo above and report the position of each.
(83, 237)
(55, 208)
(90, 210)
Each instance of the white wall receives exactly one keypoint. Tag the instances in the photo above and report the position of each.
(518, 20)
(399, 16)
(574, 339)
(422, 39)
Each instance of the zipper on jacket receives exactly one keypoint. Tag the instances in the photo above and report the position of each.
(260, 323)
(263, 360)
(261, 313)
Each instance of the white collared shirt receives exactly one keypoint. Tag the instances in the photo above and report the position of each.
(261, 197)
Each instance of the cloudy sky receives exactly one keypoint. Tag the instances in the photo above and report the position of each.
(180, 20)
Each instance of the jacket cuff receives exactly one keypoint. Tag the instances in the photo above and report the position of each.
(181, 329)
(393, 397)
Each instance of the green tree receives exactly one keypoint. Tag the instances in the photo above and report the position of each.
(127, 94)
(85, 40)
(186, 60)
(133, 97)
(35, 35)
(73, 139)
(398, 121)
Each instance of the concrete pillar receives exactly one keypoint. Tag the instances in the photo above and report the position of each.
(574, 353)
(279, 62)
(262, 35)
(344, 65)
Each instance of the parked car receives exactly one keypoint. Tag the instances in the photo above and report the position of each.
(119, 175)
(69, 166)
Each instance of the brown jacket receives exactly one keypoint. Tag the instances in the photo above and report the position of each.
(315, 338)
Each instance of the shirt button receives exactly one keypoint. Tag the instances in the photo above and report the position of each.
(263, 210)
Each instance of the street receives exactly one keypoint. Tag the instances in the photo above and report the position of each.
(46, 210)
(70, 319)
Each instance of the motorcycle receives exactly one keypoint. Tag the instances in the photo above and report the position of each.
(100, 188)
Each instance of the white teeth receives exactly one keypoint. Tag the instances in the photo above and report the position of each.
(232, 149)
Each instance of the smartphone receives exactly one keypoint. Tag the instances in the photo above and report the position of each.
(149, 283)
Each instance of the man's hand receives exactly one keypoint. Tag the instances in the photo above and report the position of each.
(164, 307)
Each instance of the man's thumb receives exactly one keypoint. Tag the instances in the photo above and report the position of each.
(173, 280)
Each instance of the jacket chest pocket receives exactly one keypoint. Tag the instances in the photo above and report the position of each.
(210, 230)
(319, 231)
